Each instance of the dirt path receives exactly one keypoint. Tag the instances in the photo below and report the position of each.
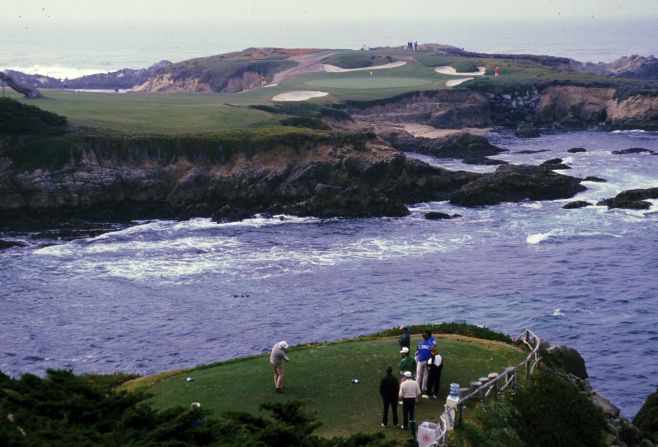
(306, 63)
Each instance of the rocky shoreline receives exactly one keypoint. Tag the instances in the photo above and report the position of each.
(323, 177)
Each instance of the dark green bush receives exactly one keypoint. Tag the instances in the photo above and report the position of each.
(358, 59)
(647, 418)
(64, 410)
(469, 330)
(554, 412)
(490, 425)
(19, 118)
(304, 121)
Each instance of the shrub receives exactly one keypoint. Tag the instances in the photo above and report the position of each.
(469, 330)
(304, 121)
(358, 59)
(490, 425)
(554, 412)
(64, 410)
(19, 118)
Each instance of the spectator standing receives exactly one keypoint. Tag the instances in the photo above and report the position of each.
(409, 391)
(389, 388)
(406, 362)
(435, 368)
(423, 354)
(405, 338)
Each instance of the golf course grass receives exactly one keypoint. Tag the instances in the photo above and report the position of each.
(357, 83)
(321, 376)
(178, 113)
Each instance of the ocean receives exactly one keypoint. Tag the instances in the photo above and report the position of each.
(158, 295)
(71, 50)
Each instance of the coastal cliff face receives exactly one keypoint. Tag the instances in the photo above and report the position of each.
(305, 173)
(127, 179)
(560, 106)
(588, 105)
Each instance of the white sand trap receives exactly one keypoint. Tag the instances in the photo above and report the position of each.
(299, 95)
(448, 70)
(454, 82)
(333, 69)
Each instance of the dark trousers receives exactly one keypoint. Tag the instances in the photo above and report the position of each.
(434, 381)
(408, 407)
(394, 408)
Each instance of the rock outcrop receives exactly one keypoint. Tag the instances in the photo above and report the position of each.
(303, 173)
(576, 204)
(436, 215)
(647, 418)
(632, 199)
(125, 178)
(23, 89)
(472, 149)
(514, 183)
(549, 106)
(633, 150)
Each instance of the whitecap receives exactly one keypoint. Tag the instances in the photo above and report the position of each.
(629, 132)
(540, 237)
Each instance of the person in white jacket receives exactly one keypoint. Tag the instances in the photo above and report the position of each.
(277, 357)
(409, 391)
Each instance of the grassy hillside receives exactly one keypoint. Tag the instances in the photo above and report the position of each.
(321, 376)
(359, 59)
(168, 113)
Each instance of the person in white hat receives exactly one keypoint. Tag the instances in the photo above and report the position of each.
(277, 357)
(407, 363)
(409, 391)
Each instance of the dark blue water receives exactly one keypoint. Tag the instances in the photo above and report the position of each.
(162, 295)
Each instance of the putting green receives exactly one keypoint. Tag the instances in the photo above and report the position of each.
(367, 82)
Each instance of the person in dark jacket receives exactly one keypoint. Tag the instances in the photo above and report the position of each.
(435, 367)
(389, 388)
(405, 339)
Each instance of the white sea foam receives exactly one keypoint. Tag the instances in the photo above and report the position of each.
(56, 71)
(629, 132)
(540, 237)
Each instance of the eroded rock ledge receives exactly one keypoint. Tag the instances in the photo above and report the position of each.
(305, 173)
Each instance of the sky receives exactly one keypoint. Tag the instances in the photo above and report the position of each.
(70, 38)
(221, 11)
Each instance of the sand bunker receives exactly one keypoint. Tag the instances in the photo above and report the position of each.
(299, 95)
(448, 70)
(454, 82)
(333, 69)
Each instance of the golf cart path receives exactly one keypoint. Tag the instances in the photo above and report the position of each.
(306, 63)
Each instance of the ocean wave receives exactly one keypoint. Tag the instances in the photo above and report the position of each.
(57, 71)
(558, 313)
(629, 131)
(561, 233)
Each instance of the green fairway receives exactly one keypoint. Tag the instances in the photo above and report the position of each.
(160, 113)
(322, 377)
(355, 83)
(176, 113)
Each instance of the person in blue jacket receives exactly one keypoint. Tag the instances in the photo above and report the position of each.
(423, 354)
